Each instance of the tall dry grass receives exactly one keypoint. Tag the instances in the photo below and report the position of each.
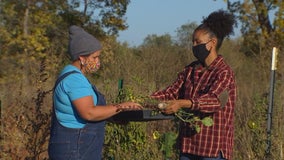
(26, 100)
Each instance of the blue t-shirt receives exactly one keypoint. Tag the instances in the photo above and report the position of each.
(72, 87)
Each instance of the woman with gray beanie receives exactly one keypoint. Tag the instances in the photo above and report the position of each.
(79, 110)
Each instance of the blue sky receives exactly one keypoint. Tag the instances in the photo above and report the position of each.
(146, 17)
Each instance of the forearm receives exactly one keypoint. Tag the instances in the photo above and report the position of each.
(206, 104)
(98, 113)
(172, 91)
(185, 103)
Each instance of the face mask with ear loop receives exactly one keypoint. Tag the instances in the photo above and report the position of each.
(200, 52)
(91, 67)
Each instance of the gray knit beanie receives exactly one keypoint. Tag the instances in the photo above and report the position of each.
(81, 43)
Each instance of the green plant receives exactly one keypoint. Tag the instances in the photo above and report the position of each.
(168, 141)
(185, 116)
(192, 119)
(257, 126)
(129, 140)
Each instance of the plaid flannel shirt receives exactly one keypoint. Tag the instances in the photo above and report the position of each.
(212, 91)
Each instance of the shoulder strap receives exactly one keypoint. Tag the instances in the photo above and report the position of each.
(59, 79)
(63, 76)
(101, 98)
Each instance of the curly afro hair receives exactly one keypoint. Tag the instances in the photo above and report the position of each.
(220, 24)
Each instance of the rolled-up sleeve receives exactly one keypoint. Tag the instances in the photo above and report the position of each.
(172, 91)
(210, 101)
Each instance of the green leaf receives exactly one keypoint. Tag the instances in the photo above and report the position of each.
(207, 121)
(197, 128)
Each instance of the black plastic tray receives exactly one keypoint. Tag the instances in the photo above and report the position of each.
(141, 115)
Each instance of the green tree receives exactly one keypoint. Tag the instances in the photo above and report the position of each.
(155, 40)
(107, 16)
(34, 33)
(160, 53)
(261, 24)
(184, 35)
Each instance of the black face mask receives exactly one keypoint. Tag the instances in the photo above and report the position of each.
(200, 52)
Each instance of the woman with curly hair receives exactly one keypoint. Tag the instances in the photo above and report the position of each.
(205, 88)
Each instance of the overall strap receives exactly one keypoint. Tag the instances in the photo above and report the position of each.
(62, 77)
(59, 80)
(101, 99)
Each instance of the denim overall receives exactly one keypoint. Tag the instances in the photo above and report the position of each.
(77, 144)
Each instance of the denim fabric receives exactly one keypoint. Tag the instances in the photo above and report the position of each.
(77, 144)
(184, 156)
